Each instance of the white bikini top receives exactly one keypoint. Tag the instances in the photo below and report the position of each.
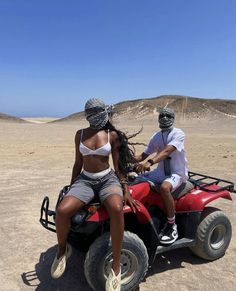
(102, 151)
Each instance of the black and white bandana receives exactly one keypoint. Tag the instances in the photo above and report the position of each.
(96, 113)
(166, 118)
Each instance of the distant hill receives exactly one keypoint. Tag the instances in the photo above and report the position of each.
(9, 118)
(184, 106)
(71, 117)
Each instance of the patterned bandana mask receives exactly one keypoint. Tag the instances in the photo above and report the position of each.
(96, 113)
(166, 119)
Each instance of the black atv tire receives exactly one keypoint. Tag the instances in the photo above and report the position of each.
(134, 262)
(213, 235)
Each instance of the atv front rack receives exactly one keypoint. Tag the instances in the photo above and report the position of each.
(205, 183)
(44, 215)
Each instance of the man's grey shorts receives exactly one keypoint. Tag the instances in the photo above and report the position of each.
(85, 188)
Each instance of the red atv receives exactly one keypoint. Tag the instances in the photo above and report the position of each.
(205, 230)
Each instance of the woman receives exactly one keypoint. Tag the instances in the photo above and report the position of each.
(92, 174)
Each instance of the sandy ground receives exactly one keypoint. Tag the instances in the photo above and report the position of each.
(36, 159)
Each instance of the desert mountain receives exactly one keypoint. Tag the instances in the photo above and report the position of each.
(184, 106)
(9, 118)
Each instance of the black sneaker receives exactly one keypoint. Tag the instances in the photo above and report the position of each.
(169, 234)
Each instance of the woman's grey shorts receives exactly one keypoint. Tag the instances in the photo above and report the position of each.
(85, 188)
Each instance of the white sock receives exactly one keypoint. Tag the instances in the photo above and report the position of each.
(171, 220)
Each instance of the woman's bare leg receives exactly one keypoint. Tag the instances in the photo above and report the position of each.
(114, 206)
(65, 210)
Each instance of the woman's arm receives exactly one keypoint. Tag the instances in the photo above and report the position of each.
(115, 144)
(78, 164)
(123, 179)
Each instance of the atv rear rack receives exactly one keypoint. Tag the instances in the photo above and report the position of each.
(204, 182)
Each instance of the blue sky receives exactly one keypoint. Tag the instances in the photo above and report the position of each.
(55, 54)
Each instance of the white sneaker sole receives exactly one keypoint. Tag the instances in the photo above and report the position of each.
(59, 265)
(167, 242)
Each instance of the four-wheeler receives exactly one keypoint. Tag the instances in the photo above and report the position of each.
(205, 230)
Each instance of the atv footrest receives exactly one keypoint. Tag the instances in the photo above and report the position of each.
(183, 242)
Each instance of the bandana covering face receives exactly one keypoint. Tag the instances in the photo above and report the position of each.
(166, 118)
(96, 113)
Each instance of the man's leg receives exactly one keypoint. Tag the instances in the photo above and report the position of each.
(165, 191)
(169, 233)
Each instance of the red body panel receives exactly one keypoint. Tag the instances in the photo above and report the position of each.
(195, 200)
(143, 215)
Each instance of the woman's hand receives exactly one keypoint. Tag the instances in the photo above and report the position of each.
(130, 201)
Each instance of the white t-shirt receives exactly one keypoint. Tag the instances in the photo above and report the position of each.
(178, 162)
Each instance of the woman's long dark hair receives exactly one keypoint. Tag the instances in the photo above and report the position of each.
(126, 153)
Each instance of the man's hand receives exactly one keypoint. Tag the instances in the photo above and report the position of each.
(141, 168)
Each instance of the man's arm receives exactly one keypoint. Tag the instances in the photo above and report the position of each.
(160, 156)
(141, 157)
(149, 150)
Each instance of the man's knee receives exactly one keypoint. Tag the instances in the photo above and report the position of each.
(165, 188)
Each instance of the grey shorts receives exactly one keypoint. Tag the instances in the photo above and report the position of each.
(85, 188)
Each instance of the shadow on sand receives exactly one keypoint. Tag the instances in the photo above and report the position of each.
(174, 260)
(74, 279)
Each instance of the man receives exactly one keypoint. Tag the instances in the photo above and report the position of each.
(171, 172)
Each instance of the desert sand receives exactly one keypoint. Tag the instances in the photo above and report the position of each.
(37, 159)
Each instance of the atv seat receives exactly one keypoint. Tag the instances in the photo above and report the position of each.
(183, 189)
(179, 192)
